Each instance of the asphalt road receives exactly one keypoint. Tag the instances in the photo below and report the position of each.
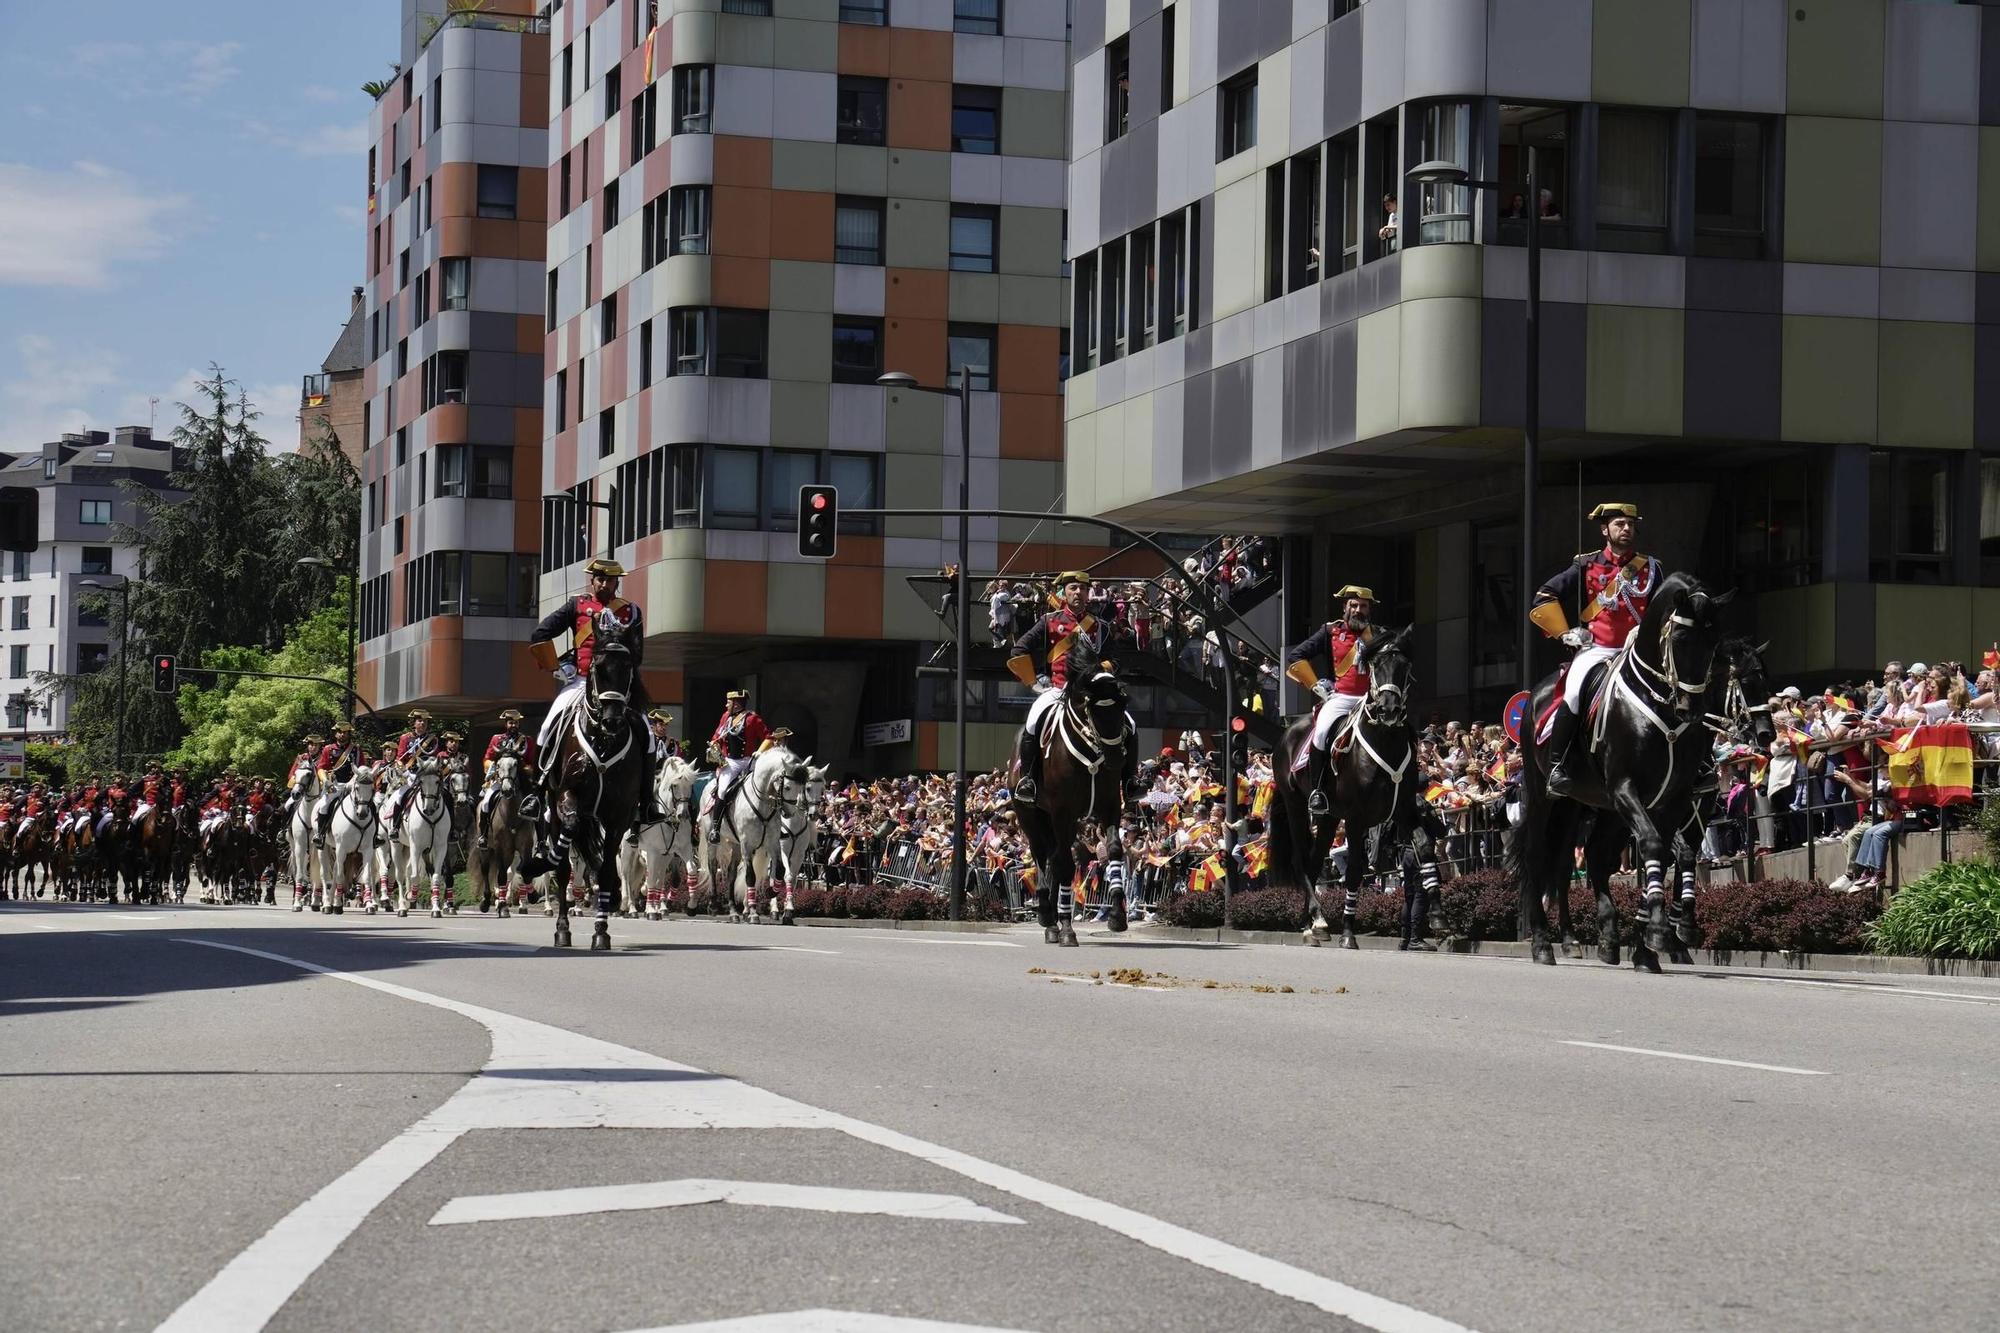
(233, 1118)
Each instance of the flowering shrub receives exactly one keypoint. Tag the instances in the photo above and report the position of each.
(1774, 914)
(1952, 912)
(1194, 911)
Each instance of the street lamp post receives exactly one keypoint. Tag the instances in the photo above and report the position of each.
(897, 379)
(353, 600)
(124, 590)
(1450, 173)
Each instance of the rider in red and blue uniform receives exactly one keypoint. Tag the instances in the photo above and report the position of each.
(1611, 587)
(1065, 640)
(579, 617)
(1337, 643)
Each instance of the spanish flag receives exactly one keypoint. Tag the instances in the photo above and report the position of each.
(1497, 770)
(1436, 792)
(1990, 659)
(1260, 804)
(651, 34)
(1931, 765)
(1257, 856)
(1206, 875)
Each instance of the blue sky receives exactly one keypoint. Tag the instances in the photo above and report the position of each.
(183, 184)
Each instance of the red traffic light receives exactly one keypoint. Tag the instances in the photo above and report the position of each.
(819, 500)
(1238, 723)
(163, 663)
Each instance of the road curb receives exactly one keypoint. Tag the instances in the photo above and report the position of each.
(883, 923)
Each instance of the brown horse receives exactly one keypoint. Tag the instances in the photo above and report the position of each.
(1083, 740)
(28, 849)
(152, 861)
(495, 860)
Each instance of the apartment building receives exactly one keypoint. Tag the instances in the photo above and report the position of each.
(331, 398)
(1770, 285)
(451, 345)
(755, 208)
(81, 481)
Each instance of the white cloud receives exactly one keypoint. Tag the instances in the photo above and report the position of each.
(68, 228)
(53, 389)
(185, 69)
(319, 92)
(350, 140)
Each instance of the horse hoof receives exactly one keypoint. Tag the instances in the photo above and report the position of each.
(1050, 935)
(1312, 938)
(1645, 960)
(600, 942)
(562, 939)
(437, 914)
(1349, 942)
(1608, 954)
(1676, 954)
(787, 919)
(298, 907)
(1068, 941)
(1545, 954)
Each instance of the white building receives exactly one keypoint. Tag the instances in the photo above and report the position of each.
(83, 509)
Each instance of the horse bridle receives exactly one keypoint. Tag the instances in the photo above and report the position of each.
(1678, 692)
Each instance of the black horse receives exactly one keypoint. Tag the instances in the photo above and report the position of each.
(1084, 740)
(1371, 780)
(595, 778)
(1640, 759)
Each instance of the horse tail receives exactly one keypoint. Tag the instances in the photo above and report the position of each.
(1525, 851)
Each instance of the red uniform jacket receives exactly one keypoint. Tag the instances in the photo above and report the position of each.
(1060, 636)
(1339, 645)
(1614, 593)
(740, 734)
(338, 759)
(579, 616)
(411, 746)
(519, 743)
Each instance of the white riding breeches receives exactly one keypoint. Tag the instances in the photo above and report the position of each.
(103, 822)
(140, 811)
(1329, 715)
(1580, 668)
(568, 699)
(1039, 709)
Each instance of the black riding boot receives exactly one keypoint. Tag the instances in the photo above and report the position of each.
(1562, 736)
(1317, 763)
(1027, 780)
(650, 799)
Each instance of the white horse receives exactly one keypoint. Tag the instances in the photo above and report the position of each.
(299, 838)
(648, 851)
(425, 836)
(775, 781)
(495, 866)
(382, 876)
(350, 839)
(779, 865)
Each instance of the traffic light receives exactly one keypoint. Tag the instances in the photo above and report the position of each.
(163, 673)
(819, 521)
(1239, 741)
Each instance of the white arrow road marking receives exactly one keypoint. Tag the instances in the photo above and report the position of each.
(680, 1193)
(543, 1077)
(824, 1321)
(1698, 1059)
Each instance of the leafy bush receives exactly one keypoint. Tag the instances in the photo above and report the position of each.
(1194, 911)
(915, 905)
(1988, 824)
(1482, 905)
(1952, 912)
(1379, 914)
(1773, 914)
(1268, 909)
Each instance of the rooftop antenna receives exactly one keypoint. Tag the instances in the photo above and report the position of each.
(152, 412)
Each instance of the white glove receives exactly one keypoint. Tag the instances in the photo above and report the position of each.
(565, 673)
(1323, 688)
(1576, 636)
(1043, 683)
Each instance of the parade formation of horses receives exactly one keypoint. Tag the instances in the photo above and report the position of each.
(1083, 755)
(505, 833)
(1371, 780)
(424, 838)
(1645, 752)
(774, 790)
(595, 776)
(351, 837)
(663, 851)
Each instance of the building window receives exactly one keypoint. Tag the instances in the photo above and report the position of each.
(492, 473)
(645, 353)
(451, 470)
(858, 477)
(1237, 109)
(564, 196)
(1446, 209)
(488, 589)
(610, 203)
(755, 8)
(687, 486)
(566, 527)
(614, 91)
(645, 125)
(687, 206)
(972, 346)
(1632, 163)
(21, 613)
(1729, 173)
(975, 238)
(437, 103)
(94, 513)
(607, 431)
(607, 319)
(568, 75)
(17, 712)
(92, 658)
(21, 561)
(694, 98)
(1274, 232)
(874, 13)
(402, 445)
(1174, 273)
(499, 191)
(1117, 88)
(981, 17)
(48, 469)
(456, 289)
(96, 560)
(857, 349)
(784, 472)
(554, 288)
(862, 111)
(562, 399)
(1145, 286)
(689, 328)
(1910, 496)
(1084, 320)
(975, 119)
(740, 338)
(1117, 312)
(423, 297)
(1342, 8)
(1169, 19)
(857, 231)
(444, 379)
(733, 491)
(17, 661)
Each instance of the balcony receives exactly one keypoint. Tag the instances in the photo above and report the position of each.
(315, 391)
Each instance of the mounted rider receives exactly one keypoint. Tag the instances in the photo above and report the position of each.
(114, 801)
(336, 764)
(152, 787)
(302, 768)
(1343, 689)
(1063, 641)
(412, 748)
(740, 734)
(258, 798)
(580, 617)
(659, 724)
(507, 743)
(1612, 586)
(31, 808)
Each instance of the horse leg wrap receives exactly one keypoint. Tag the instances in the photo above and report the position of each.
(1427, 875)
(1065, 903)
(1687, 886)
(1114, 877)
(1656, 881)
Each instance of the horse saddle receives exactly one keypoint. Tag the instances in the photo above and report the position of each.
(1343, 735)
(1596, 690)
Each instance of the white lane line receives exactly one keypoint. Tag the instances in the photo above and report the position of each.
(1867, 988)
(1116, 985)
(681, 1193)
(824, 1321)
(544, 1077)
(1698, 1059)
(799, 948)
(36, 925)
